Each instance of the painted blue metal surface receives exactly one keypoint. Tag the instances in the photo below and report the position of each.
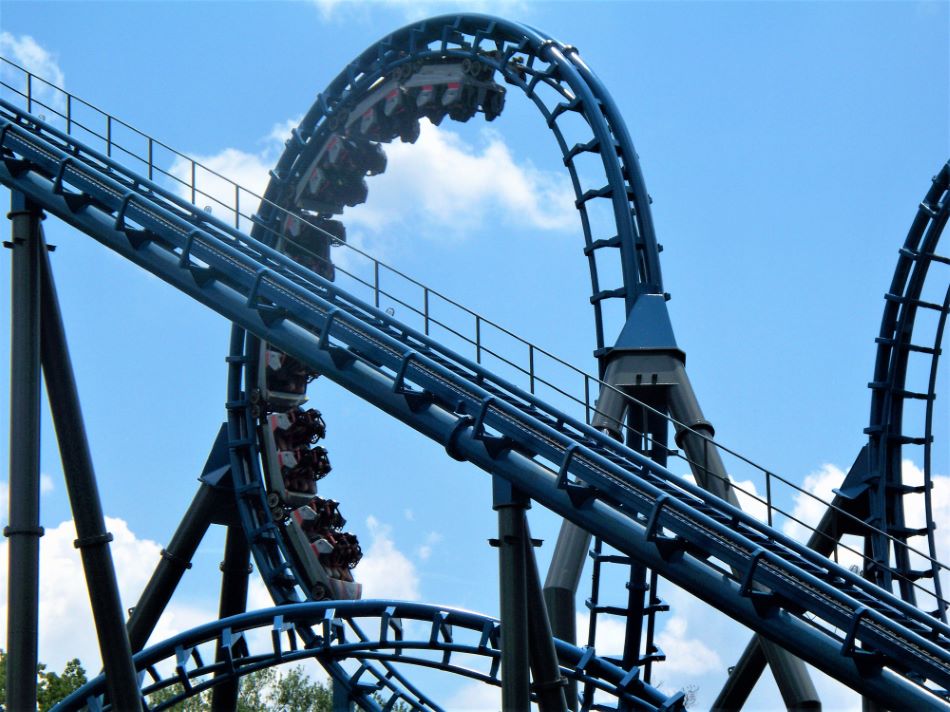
(401, 634)
(529, 60)
(543, 62)
(853, 630)
(900, 340)
(648, 326)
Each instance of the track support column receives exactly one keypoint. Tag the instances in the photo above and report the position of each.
(515, 679)
(235, 570)
(93, 539)
(545, 670)
(560, 588)
(176, 559)
(24, 530)
(626, 369)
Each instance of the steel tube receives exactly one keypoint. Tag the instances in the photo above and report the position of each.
(515, 680)
(545, 671)
(560, 588)
(93, 539)
(791, 675)
(176, 559)
(24, 529)
(235, 570)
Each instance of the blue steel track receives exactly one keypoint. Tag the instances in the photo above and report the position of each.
(570, 89)
(812, 607)
(371, 630)
(855, 631)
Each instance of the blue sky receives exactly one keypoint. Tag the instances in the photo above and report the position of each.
(785, 145)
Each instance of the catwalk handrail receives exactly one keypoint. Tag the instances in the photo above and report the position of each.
(317, 321)
(480, 321)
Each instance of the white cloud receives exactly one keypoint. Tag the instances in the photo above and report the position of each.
(684, 655)
(425, 551)
(248, 170)
(447, 186)
(29, 54)
(807, 508)
(46, 484)
(749, 499)
(475, 697)
(281, 132)
(386, 572)
(441, 186)
(66, 626)
(610, 633)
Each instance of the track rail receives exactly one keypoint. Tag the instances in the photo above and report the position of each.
(891, 432)
(554, 77)
(402, 635)
(531, 365)
(856, 632)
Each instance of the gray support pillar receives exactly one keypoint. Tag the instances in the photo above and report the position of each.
(560, 588)
(664, 367)
(235, 570)
(561, 582)
(515, 680)
(176, 559)
(548, 683)
(790, 673)
(24, 529)
(93, 539)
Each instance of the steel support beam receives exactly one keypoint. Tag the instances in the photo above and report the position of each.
(24, 530)
(93, 539)
(792, 677)
(176, 559)
(694, 435)
(560, 588)
(545, 671)
(513, 590)
(636, 609)
(573, 544)
(235, 570)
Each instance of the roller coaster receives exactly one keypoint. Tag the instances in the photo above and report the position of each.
(601, 459)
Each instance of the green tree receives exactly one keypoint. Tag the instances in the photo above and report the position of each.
(289, 690)
(297, 693)
(50, 687)
(268, 689)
